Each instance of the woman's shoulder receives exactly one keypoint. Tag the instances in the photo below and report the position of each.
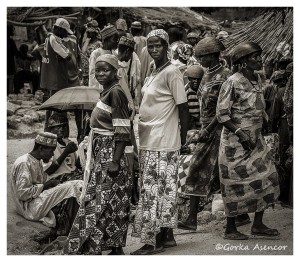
(117, 91)
(173, 70)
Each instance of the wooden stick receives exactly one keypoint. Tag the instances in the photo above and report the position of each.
(52, 16)
(25, 24)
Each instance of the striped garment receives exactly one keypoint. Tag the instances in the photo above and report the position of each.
(193, 103)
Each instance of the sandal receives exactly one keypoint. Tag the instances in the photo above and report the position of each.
(145, 252)
(266, 233)
(235, 236)
(240, 223)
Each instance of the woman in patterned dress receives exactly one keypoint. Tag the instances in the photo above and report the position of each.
(163, 104)
(249, 181)
(204, 163)
(103, 217)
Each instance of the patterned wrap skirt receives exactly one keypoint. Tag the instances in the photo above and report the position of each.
(103, 217)
(249, 180)
(204, 169)
(157, 205)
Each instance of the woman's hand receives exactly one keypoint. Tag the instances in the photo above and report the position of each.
(194, 138)
(185, 150)
(245, 140)
(203, 136)
(113, 169)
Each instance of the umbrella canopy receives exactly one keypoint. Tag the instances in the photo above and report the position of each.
(72, 98)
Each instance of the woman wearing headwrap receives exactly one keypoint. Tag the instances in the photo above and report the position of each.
(91, 43)
(182, 55)
(103, 217)
(163, 105)
(249, 180)
(204, 165)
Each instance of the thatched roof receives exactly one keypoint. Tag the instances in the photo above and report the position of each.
(34, 16)
(169, 16)
(268, 30)
(157, 16)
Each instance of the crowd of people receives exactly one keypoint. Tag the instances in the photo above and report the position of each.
(189, 101)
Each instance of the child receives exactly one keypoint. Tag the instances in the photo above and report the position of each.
(194, 74)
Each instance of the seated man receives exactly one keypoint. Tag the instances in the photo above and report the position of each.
(35, 197)
(65, 165)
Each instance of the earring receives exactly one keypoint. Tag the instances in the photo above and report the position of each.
(244, 65)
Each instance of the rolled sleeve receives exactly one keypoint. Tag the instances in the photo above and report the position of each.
(225, 101)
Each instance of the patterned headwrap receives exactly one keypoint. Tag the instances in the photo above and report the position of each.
(159, 33)
(185, 51)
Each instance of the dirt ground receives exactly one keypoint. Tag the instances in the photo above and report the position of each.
(207, 240)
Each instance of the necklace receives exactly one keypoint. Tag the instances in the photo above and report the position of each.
(214, 69)
(158, 70)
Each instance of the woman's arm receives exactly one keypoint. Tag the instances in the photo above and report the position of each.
(184, 118)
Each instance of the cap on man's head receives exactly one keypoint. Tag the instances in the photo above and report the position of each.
(136, 25)
(46, 139)
(63, 23)
(108, 31)
(127, 41)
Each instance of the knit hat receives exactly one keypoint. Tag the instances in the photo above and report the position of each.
(46, 139)
(63, 23)
(244, 49)
(279, 74)
(57, 119)
(136, 25)
(208, 45)
(110, 59)
(194, 71)
(121, 24)
(192, 35)
(108, 31)
(127, 41)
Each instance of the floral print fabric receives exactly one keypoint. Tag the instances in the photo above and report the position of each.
(158, 194)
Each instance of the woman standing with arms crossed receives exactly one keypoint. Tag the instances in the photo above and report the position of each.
(103, 217)
(163, 106)
(248, 177)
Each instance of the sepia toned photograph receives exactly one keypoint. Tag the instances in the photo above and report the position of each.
(149, 130)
